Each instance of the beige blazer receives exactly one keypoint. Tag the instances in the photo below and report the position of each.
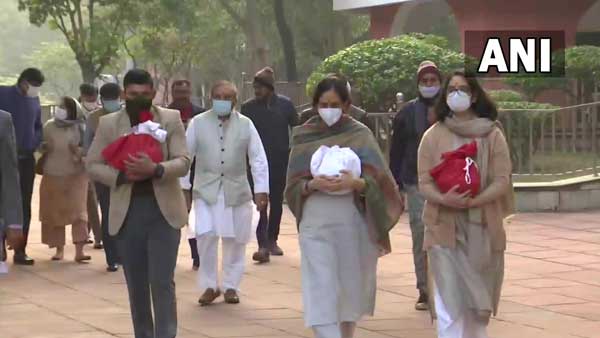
(167, 190)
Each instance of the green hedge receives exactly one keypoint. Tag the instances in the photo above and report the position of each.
(379, 69)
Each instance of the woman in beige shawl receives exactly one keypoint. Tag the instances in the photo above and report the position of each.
(464, 235)
(63, 190)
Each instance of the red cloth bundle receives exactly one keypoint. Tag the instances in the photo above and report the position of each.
(458, 169)
(116, 153)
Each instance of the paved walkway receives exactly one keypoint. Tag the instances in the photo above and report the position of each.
(552, 290)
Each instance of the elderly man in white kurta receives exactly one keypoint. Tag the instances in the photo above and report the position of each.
(222, 140)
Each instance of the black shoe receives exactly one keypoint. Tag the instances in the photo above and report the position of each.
(21, 258)
(98, 246)
(196, 266)
(276, 250)
(262, 256)
(422, 302)
(112, 268)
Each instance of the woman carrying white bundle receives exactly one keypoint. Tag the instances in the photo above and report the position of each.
(345, 202)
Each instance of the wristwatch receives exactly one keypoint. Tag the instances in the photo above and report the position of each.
(159, 171)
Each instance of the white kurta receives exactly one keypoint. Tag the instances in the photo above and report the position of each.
(219, 219)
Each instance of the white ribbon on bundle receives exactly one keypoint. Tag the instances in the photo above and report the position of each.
(151, 128)
(469, 162)
(330, 161)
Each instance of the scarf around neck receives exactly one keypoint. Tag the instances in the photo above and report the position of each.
(381, 203)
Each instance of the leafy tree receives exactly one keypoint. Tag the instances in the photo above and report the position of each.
(249, 16)
(582, 63)
(60, 69)
(92, 28)
(379, 69)
(16, 30)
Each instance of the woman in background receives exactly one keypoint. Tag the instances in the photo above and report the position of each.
(341, 235)
(464, 235)
(63, 190)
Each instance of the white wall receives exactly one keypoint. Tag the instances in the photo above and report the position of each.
(340, 5)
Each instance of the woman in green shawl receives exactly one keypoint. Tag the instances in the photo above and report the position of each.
(341, 234)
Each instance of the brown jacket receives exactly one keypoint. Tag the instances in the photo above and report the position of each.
(167, 190)
(440, 227)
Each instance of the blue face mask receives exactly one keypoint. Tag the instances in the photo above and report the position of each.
(221, 107)
(111, 106)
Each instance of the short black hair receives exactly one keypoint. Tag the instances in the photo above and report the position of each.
(88, 89)
(180, 83)
(483, 106)
(110, 91)
(33, 76)
(139, 77)
(333, 82)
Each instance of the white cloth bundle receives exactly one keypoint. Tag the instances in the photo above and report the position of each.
(151, 128)
(329, 161)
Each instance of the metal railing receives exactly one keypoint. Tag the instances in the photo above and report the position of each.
(545, 144)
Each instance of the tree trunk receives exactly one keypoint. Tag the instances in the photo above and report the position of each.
(88, 71)
(287, 41)
(257, 43)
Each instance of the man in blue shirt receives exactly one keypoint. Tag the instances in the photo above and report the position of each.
(23, 103)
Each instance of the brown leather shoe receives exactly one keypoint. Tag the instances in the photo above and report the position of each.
(262, 256)
(231, 297)
(209, 297)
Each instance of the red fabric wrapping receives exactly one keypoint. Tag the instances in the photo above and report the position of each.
(145, 116)
(452, 171)
(116, 153)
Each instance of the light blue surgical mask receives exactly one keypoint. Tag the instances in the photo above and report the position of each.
(111, 106)
(222, 107)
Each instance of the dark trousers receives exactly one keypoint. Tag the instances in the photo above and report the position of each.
(27, 179)
(267, 231)
(110, 245)
(94, 225)
(148, 247)
(194, 250)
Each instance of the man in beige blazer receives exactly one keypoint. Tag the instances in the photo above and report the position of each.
(147, 207)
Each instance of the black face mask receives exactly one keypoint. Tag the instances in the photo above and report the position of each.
(137, 105)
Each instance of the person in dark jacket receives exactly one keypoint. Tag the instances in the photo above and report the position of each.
(23, 103)
(181, 91)
(409, 126)
(273, 115)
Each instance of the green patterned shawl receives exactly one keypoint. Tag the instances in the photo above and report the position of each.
(380, 203)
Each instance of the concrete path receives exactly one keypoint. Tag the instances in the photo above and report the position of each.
(552, 290)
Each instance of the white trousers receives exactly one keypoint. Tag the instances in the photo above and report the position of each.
(343, 330)
(467, 326)
(233, 262)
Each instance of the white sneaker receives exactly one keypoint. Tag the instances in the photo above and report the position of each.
(3, 268)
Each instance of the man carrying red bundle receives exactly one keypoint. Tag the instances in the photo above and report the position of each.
(147, 205)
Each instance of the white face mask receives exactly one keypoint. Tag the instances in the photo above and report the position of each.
(33, 91)
(458, 101)
(330, 115)
(429, 92)
(89, 106)
(60, 113)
